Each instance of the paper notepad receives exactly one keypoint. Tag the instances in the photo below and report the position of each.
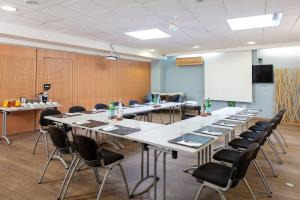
(192, 140)
(189, 143)
(82, 122)
(211, 132)
(227, 124)
(110, 128)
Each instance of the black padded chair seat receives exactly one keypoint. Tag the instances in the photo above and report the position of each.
(252, 135)
(263, 123)
(67, 150)
(108, 158)
(129, 116)
(227, 155)
(214, 173)
(241, 143)
(258, 128)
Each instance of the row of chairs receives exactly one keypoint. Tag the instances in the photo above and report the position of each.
(44, 123)
(233, 162)
(84, 149)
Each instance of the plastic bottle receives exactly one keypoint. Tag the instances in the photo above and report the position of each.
(111, 110)
(120, 110)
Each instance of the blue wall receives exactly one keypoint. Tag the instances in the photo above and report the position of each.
(167, 77)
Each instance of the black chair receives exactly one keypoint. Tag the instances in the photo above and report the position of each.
(94, 157)
(62, 145)
(43, 127)
(270, 126)
(276, 133)
(75, 109)
(230, 155)
(247, 138)
(100, 106)
(133, 102)
(221, 178)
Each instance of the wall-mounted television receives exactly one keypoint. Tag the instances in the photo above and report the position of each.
(262, 74)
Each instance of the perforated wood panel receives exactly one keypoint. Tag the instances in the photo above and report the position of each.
(92, 81)
(58, 69)
(18, 70)
(128, 80)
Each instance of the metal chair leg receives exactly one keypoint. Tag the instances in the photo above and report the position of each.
(36, 142)
(69, 180)
(46, 143)
(125, 180)
(279, 142)
(263, 177)
(280, 134)
(46, 166)
(96, 175)
(213, 195)
(275, 151)
(102, 185)
(221, 195)
(199, 192)
(67, 176)
(249, 188)
(269, 161)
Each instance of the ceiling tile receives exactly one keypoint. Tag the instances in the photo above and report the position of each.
(163, 5)
(87, 7)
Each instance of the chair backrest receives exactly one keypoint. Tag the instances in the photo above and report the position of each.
(99, 106)
(48, 112)
(87, 148)
(242, 164)
(132, 102)
(75, 109)
(116, 103)
(59, 139)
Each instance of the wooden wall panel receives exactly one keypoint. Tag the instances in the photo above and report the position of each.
(18, 70)
(92, 80)
(60, 70)
(75, 79)
(129, 80)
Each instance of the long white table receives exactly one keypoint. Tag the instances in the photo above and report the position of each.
(146, 108)
(5, 111)
(157, 136)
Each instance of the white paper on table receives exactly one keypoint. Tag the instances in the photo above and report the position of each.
(110, 128)
(191, 144)
(212, 132)
(226, 124)
(71, 114)
(82, 122)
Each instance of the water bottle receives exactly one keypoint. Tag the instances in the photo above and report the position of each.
(120, 110)
(111, 110)
(158, 99)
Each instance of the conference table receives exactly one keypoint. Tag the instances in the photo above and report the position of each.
(158, 137)
(5, 111)
(149, 107)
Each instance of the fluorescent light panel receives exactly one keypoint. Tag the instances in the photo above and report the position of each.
(148, 34)
(259, 21)
(8, 8)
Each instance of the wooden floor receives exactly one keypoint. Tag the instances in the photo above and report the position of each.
(19, 171)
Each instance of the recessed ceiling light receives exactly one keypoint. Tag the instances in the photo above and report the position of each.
(8, 8)
(251, 42)
(152, 50)
(148, 34)
(259, 21)
(196, 47)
